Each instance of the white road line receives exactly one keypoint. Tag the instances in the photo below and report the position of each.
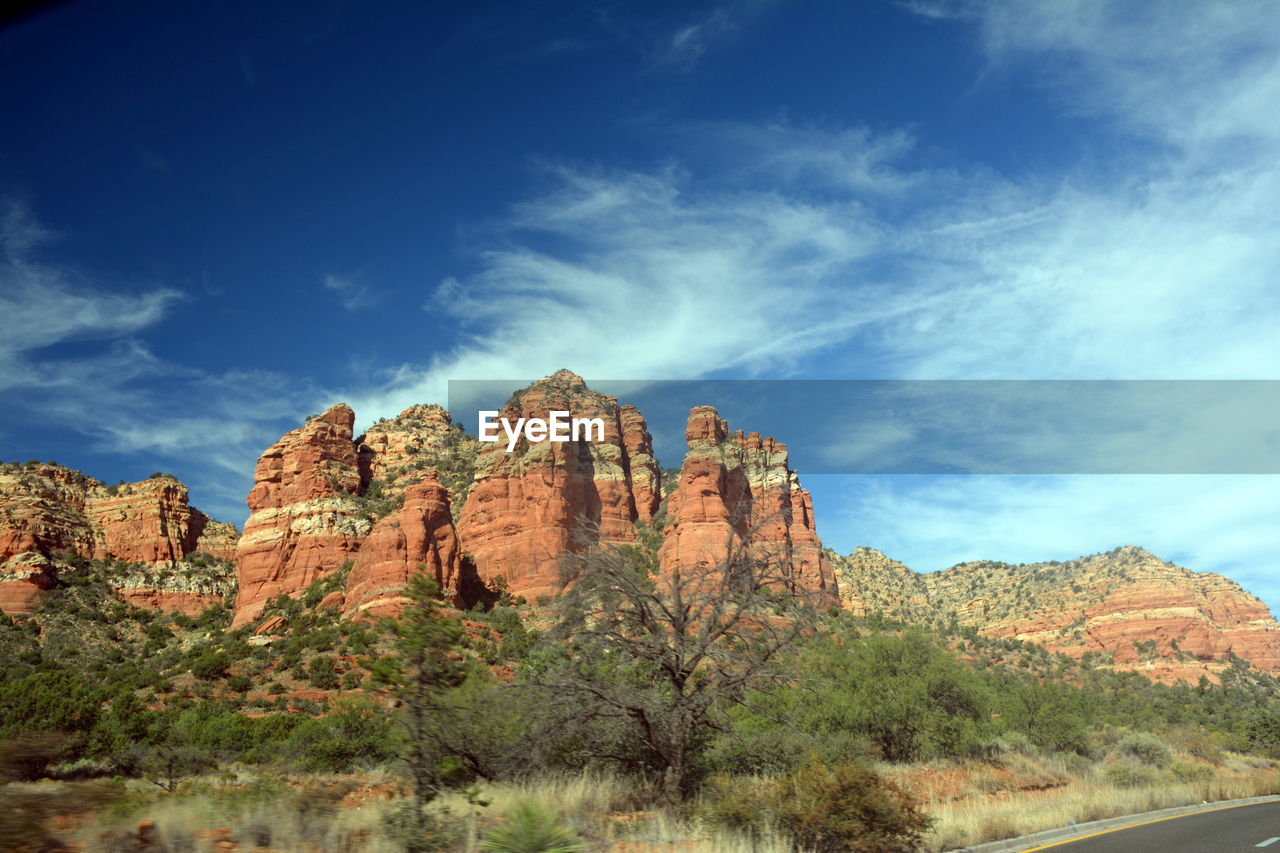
(1268, 842)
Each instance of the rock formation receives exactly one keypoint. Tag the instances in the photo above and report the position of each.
(736, 488)
(1111, 604)
(545, 499)
(396, 453)
(305, 520)
(322, 500)
(418, 538)
(50, 515)
(1126, 608)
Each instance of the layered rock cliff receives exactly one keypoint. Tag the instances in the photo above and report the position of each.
(736, 488)
(304, 519)
(1127, 604)
(544, 499)
(324, 500)
(50, 514)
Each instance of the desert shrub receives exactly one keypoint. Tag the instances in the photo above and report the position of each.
(321, 673)
(211, 665)
(355, 733)
(1125, 775)
(847, 807)
(740, 804)
(1185, 771)
(1205, 745)
(1147, 748)
(1008, 744)
(531, 828)
(904, 694)
(1261, 732)
(435, 829)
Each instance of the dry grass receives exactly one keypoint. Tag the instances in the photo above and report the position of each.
(333, 814)
(971, 803)
(1019, 795)
(320, 814)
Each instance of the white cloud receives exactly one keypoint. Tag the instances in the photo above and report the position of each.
(680, 49)
(115, 390)
(660, 280)
(351, 291)
(43, 305)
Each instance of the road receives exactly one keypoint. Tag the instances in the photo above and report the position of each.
(1234, 829)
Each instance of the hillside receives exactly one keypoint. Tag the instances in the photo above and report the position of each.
(1126, 608)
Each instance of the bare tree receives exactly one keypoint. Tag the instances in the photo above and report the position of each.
(667, 648)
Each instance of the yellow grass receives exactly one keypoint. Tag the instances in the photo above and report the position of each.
(1050, 793)
(971, 802)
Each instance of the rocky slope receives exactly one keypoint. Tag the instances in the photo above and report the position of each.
(736, 488)
(545, 499)
(1126, 607)
(870, 583)
(52, 517)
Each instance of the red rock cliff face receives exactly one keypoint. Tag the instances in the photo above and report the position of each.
(527, 507)
(150, 523)
(304, 521)
(48, 510)
(394, 454)
(734, 487)
(322, 498)
(418, 538)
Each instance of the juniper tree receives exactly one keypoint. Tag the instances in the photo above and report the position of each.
(665, 649)
(419, 673)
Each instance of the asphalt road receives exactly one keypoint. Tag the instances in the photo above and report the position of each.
(1230, 830)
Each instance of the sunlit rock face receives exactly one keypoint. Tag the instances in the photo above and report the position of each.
(305, 520)
(736, 488)
(50, 514)
(544, 499)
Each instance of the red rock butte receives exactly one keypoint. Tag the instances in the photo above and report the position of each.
(529, 507)
(322, 501)
(737, 488)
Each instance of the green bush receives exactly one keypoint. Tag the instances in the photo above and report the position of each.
(847, 807)
(1125, 775)
(1185, 771)
(321, 673)
(1147, 748)
(355, 734)
(211, 665)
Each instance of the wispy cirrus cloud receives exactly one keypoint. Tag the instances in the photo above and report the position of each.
(43, 305)
(681, 49)
(351, 291)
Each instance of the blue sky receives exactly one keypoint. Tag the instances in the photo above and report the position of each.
(216, 220)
